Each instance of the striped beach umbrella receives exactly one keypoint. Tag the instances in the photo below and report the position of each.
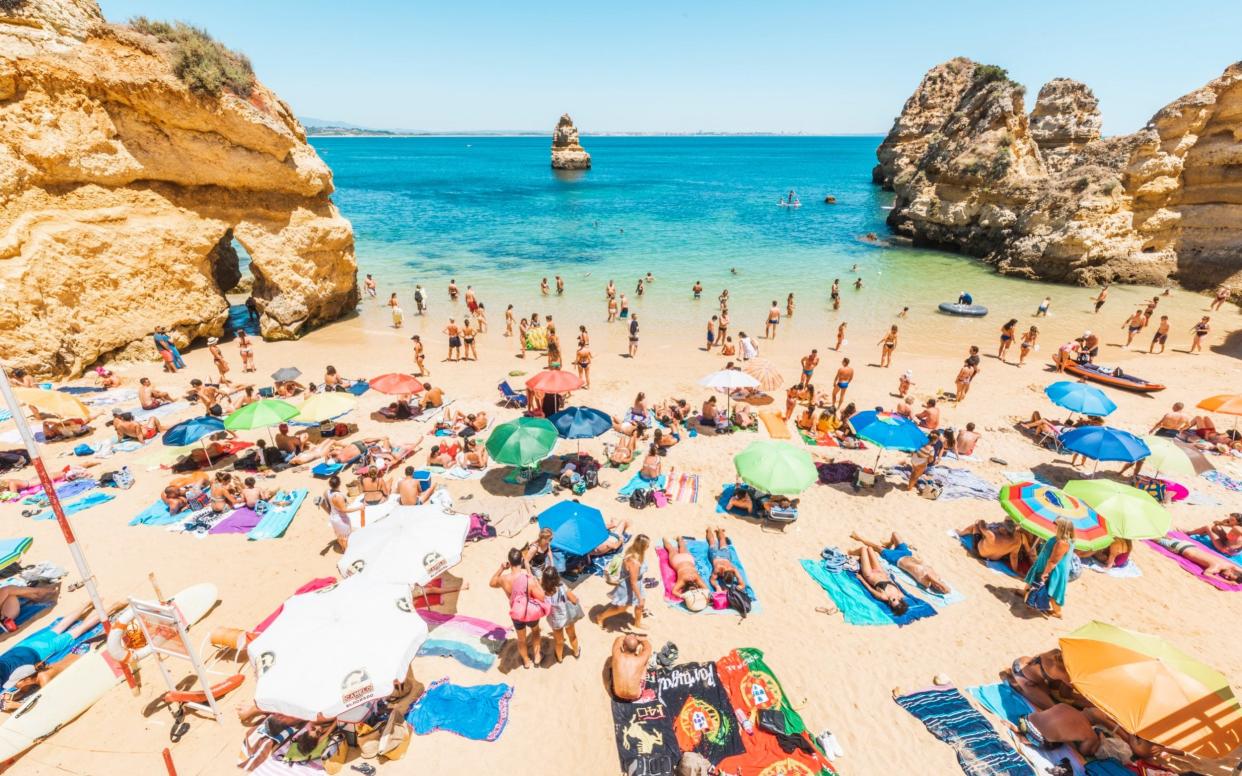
(765, 372)
(1035, 507)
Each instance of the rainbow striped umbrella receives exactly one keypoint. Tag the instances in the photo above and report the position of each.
(1035, 507)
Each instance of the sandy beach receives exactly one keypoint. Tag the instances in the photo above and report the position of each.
(839, 676)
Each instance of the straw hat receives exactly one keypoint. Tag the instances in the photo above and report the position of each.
(695, 600)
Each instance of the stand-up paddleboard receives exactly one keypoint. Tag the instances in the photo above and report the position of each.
(795, 203)
(967, 310)
(80, 685)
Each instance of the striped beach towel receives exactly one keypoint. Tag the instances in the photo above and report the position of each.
(472, 641)
(949, 717)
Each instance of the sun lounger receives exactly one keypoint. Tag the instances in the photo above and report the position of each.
(856, 604)
(950, 718)
(510, 397)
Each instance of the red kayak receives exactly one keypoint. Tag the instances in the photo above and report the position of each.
(1113, 377)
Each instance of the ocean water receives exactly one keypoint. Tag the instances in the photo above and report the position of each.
(490, 212)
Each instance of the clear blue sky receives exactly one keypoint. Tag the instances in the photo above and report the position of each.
(820, 66)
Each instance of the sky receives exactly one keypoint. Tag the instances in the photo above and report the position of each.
(809, 66)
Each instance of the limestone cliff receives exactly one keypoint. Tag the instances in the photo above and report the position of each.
(121, 192)
(567, 152)
(1044, 196)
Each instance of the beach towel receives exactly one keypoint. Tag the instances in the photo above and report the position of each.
(1190, 566)
(539, 485)
(776, 425)
(1108, 767)
(856, 604)
(836, 472)
(275, 765)
(1027, 476)
(639, 481)
(157, 514)
(1004, 702)
(1223, 480)
(949, 717)
(160, 411)
(938, 601)
(471, 641)
(956, 483)
(479, 713)
(995, 565)
(99, 398)
(1205, 541)
(64, 491)
(51, 646)
(200, 523)
(1128, 571)
(358, 387)
(73, 507)
(698, 550)
(684, 709)
(324, 470)
(721, 503)
(274, 522)
(751, 687)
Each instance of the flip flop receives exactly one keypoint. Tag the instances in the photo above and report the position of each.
(826, 610)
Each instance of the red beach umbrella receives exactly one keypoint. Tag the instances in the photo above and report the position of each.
(397, 384)
(554, 381)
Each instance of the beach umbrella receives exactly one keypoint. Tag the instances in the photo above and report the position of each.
(1174, 457)
(576, 528)
(12, 550)
(325, 406)
(336, 648)
(412, 546)
(1080, 397)
(1035, 508)
(187, 432)
(1104, 443)
(1130, 513)
(765, 372)
(776, 467)
(729, 380)
(286, 373)
(888, 430)
(58, 403)
(580, 423)
(260, 414)
(164, 456)
(522, 442)
(397, 384)
(1153, 689)
(554, 381)
(1225, 403)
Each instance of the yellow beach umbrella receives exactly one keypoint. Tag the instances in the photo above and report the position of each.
(325, 406)
(765, 372)
(1153, 689)
(1174, 458)
(57, 403)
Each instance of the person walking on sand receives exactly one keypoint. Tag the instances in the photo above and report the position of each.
(369, 284)
(749, 348)
(1042, 312)
(1200, 330)
(395, 307)
(774, 319)
(419, 357)
(841, 382)
(454, 340)
(1008, 332)
(1028, 344)
(527, 605)
(1049, 575)
(339, 511)
(168, 351)
(1222, 295)
(633, 336)
(1161, 336)
(809, 362)
(1133, 325)
(840, 337)
(222, 366)
(627, 596)
(1101, 298)
(420, 299)
(888, 343)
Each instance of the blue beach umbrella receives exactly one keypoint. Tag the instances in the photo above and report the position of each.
(1080, 397)
(1103, 443)
(888, 430)
(576, 528)
(190, 431)
(580, 422)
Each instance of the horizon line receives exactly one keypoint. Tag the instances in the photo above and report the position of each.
(319, 131)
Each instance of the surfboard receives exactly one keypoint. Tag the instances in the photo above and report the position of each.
(82, 684)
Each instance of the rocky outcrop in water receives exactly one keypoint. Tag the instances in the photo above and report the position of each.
(1044, 196)
(122, 192)
(567, 152)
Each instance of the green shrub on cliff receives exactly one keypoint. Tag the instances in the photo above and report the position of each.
(989, 73)
(200, 61)
(11, 5)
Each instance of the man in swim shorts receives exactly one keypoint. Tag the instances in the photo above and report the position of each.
(724, 573)
(841, 382)
(1171, 423)
(774, 319)
(809, 362)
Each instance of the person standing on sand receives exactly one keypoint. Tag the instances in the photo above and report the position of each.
(454, 340)
(809, 362)
(1200, 330)
(841, 382)
(711, 332)
(246, 350)
(395, 306)
(1028, 344)
(840, 337)
(962, 382)
(1133, 325)
(1042, 312)
(774, 319)
(722, 329)
(222, 366)
(888, 343)
(523, 327)
(560, 285)
(468, 334)
(1101, 298)
(369, 284)
(1008, 332)
(527, 605)
(419, 357)
(628, 594)
(452, 290)
(554, 348)
(509, 321)
(1161, 336)
(420, 299)
(1049, 575)
(749, 349)
(480, 318)
(168, 351)
(633, 336)
(339, 511)
(582, 360)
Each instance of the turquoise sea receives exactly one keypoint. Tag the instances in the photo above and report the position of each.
(489, 211)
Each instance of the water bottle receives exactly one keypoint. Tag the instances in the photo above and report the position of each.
(745, 722)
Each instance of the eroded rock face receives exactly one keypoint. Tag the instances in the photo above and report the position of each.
(1046, 197)
(567, 152)
(121, 190)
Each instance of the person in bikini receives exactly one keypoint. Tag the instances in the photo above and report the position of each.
(375, 488)
(225, 495)
(687, 575)
(1226, 534)
(878, 582)
(887, 343)
(1212, 564)
(898, 553)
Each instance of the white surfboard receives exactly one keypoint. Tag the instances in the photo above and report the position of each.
(82, 684)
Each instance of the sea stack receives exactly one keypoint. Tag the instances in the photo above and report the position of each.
(567, 152)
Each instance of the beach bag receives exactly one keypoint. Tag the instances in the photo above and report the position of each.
(1039, 599)
(522, 605)
(480, 528)
(929, 488)
(640, 498)
(720, 600)
(738, 601)
(573, 612)
(612, 571)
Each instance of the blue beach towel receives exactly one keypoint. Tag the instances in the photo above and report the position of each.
(639, 481)
(698, 550)
(856, 604)
(951, 719)
(73, 507)
(325, 470)
(954, 596)
(1006, 703)
(156, 514)
(277, 519)
(78, 390)
(478, 713)
(969, 543)
(723, 502)
(358, 388)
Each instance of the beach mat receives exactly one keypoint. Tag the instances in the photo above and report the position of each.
(92, 499)
(471, 641)
(950, 718)
(698, 550)
(639, 481)
(1191, 567)
(156, 514)
(955, 483)
(777, 426)
(478, 713)
(274, 523)
(969, 543)
(240, 520)
(857, 605)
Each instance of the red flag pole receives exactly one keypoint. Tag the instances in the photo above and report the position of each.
(66, 529)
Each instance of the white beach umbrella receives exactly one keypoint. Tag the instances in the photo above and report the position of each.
(336, 649)
(414, 545)
(729, 380)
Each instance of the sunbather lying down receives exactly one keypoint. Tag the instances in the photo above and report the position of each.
(899, 554)
(23, 667)
(688, 580)
(1226, 534)
(11, 597)
(1043, 680)
(1212, 565)
(1002, 542)
(878, 582)
(1089, 731)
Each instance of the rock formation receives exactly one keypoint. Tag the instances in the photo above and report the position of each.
(1046, 197)
(122, 191)
(567, 152)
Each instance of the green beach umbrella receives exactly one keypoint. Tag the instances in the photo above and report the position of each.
(1130, 513)
(776, 467)
(522, 442)
(260, 414)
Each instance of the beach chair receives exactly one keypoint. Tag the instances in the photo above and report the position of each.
(511, 397)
